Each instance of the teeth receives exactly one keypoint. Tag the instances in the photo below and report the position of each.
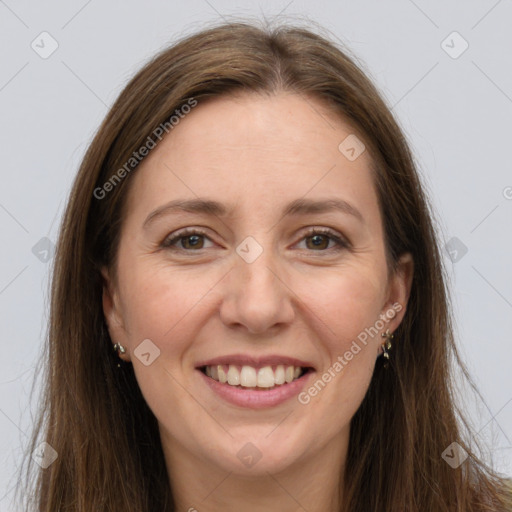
(265, 377)
(279, 375)
(222, 374)
(249, 377)
(233, 376)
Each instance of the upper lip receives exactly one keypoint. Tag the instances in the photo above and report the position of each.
(256, 361)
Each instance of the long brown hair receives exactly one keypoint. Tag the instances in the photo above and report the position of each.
(93, 413)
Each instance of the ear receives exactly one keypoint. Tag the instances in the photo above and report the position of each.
(112, 313)
(399, 289)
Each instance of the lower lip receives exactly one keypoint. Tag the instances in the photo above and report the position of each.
(257, 399)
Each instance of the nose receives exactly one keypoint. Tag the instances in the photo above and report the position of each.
(256, 295)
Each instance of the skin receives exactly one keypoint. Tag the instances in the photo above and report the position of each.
(256, 154)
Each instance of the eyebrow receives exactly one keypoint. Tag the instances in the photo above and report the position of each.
(295, 208)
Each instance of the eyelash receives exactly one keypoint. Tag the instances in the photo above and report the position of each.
(171, 240)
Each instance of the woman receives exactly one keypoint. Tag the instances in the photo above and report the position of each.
(206, 350)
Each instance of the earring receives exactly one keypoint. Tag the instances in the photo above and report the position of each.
(119, 347)
(386, 346)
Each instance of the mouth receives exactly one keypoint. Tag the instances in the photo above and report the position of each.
(255, 382)
(248, 377)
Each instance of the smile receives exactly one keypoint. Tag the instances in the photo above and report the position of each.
(255, 381)
(250, 377)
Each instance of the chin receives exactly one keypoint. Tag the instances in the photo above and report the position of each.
(253, 453)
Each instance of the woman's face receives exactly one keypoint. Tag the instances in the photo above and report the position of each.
(250, 288)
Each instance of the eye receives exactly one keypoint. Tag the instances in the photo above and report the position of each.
(190, 239)
(320, 236)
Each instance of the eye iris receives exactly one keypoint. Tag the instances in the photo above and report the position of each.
(318, 241)
(188, 238)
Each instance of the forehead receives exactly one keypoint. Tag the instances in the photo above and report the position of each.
(255, 152)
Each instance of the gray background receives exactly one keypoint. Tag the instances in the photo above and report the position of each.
(456, 113)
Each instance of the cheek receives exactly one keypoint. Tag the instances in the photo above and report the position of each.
(350, 301)
(349, 305)
(165, 307)
(158, 303)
